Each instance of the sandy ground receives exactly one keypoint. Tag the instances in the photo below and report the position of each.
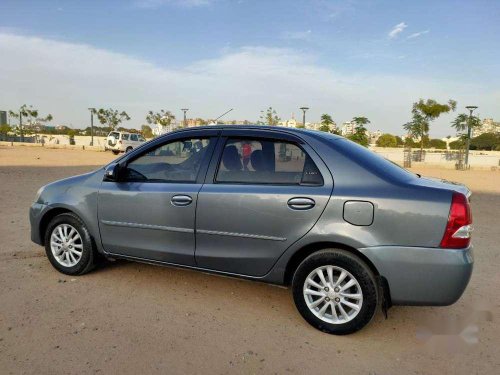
(135, 318)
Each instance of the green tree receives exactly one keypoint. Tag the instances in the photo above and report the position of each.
(399, 140)
(486, 141)
(326, 123)
(361, 121)
(457, 145)
(387, 140)
(163, 118)
(300, 126)
(423, 113)
(360, 135)
(5, 129)
(111, 117)
(31, 115)
(437, 143)
(269, 117)
(146, 131)
(465, 124)
(461, 122)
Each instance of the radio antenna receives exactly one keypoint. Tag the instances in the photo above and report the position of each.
(225, 113)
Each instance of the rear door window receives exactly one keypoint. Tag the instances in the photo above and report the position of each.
(266, 161)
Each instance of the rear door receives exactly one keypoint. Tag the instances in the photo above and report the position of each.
(264, 190)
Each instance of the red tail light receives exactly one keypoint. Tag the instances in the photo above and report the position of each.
(459, 227)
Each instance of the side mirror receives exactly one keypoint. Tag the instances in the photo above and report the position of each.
(112, 172)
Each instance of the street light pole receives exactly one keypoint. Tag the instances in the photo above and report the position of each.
(471, 109)
(21, 125)
(304, 109)
(91, 126)
(184, 110)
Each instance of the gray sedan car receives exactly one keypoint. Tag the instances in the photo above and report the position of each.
(345, 228)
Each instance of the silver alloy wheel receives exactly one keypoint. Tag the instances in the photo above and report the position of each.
(66, 245)
(333, 294)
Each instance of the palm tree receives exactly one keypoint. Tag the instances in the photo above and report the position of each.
(423, 112)
(326, 122)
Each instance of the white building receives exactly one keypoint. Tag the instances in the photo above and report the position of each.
(292, 123)
(374, 136)
(348, 128)
(317, 126)
(487, 126)
(163, 129)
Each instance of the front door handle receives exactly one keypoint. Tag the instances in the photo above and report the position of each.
(181, 200)
(300, 203)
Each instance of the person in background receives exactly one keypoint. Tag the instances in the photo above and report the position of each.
(246, 150)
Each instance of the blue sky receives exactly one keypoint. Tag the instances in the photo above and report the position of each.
(346, 58)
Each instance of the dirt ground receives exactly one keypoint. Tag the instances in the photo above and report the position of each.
(136, 318)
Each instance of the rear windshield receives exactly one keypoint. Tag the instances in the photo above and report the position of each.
(368, 159)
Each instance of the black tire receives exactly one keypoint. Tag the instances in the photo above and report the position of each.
(116, 152)
(86, 262)
(357, 268)
(128, 149)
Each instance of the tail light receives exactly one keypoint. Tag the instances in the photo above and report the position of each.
(459, 227)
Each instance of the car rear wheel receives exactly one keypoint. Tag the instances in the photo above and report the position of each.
(335, 291)
(128, 149)
(68, 245)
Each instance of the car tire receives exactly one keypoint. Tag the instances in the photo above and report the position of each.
(68, 245)
(128, 149)
(116, 152)
(344, 315)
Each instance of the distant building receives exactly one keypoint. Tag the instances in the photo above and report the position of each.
(487, 126)
(192, 122)
(3, 117)
(61, 127)
(348, 128)
(163, 129)
(317, 125)
(292, 123)
(374, 136)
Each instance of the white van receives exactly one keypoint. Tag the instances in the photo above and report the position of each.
(123, 142)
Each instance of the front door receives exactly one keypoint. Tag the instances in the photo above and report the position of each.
(264, 193)
(150, 212)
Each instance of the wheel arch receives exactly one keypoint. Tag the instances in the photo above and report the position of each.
(52, 213)
(309, 249)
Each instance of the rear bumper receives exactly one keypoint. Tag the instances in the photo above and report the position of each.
(423, 276)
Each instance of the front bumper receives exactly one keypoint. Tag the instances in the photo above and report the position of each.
(37, 210)
(423, 276)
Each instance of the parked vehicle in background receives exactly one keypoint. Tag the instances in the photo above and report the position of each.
(347, 229)
(123, 142)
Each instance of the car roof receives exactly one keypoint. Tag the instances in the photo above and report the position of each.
(281, 129)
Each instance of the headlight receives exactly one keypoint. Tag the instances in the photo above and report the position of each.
(38, 193)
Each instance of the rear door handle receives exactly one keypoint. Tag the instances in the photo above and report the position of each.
(181, 200)
(300, 203)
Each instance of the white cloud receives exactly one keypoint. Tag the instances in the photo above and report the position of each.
(416, 35)
(397, 29)
(66, 78)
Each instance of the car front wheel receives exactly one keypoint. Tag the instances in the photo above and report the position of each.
(68, 245)
(335, 291)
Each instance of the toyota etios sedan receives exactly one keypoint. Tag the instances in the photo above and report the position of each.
(347, 229)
